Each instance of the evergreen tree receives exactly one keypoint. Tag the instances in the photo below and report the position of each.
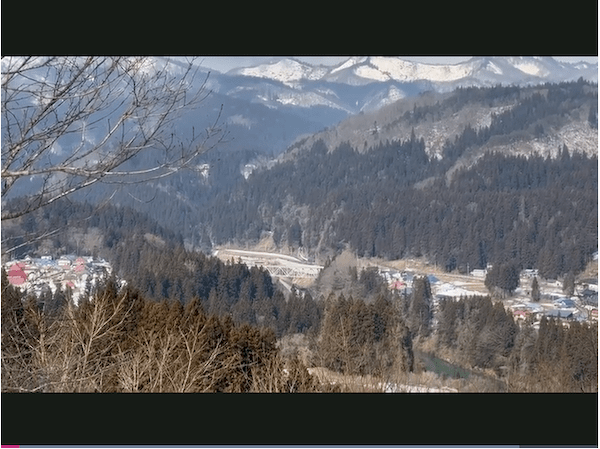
(593, 116)
(568, 286)
(535, 290)
(407, 357)
(420, 313)
(502, 278)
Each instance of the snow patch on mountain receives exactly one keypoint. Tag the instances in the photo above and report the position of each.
(349, 63)
(389, 96)
(402, 70)
(530, 66)
(494, 68)
(437, 133)
(582, 65)
(577, 136)
(287, 71)
(307, 100)
(240, 120)
(394, 94)
(372, 73)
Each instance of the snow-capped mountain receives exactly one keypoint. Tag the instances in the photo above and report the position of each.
(303, 98)
(367, 83)
(287, 71)
(477, 70)
(377, 69)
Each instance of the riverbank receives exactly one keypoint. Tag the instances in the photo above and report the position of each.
(464, 379)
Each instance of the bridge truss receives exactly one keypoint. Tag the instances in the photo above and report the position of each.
(293, 272)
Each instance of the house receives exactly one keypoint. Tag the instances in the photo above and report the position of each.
(525, 310)
(589, 297)
(529, 273)
(563, 314)
(80, 265)
(521, 314)
(407, 276)
(450, 291)
(63, 262)
(479, 273)
(565, 303)
(397, 285)
(17, 275)
(590, 283)
(432, 279)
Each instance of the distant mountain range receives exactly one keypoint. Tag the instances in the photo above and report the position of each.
(477, 70)
(306, 143)
(266, 108)
(367, 83)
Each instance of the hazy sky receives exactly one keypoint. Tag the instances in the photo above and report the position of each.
(225, 63)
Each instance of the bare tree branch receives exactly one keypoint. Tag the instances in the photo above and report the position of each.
(71, 122)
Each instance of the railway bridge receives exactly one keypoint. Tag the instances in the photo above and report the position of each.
(301, 271)
(278, 265)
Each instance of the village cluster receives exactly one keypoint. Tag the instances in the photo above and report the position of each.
(581, 306)
(79, 274)
(35, 275)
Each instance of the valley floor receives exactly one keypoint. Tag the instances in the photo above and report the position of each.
(301, 272)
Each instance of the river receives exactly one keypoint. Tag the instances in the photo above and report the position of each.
(444, 368)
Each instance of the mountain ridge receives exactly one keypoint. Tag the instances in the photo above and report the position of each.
(367, 83)
(365, 70)
(464, 180)
(437, 118)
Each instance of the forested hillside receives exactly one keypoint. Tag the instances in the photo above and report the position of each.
(153, 260)
(185, 321)
(467, 207)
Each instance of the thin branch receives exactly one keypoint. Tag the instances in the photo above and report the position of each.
(72, 97)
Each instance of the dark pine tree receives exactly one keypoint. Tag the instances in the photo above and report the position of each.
(535, 290)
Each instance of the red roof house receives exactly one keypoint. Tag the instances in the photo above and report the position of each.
(398, 285)
(16, 275)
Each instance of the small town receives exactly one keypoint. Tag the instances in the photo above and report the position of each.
(553, 303)
(81, 273)
(77, 273)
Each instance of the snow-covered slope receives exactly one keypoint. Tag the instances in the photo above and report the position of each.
(360, 70)
(383, 123)
(477, 70)
(368, 83)
(287, 71)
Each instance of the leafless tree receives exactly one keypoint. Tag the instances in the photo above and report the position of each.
(179, 360)
(71, 122)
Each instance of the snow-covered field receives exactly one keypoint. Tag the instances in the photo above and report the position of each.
(426, 383)
(396, 388)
